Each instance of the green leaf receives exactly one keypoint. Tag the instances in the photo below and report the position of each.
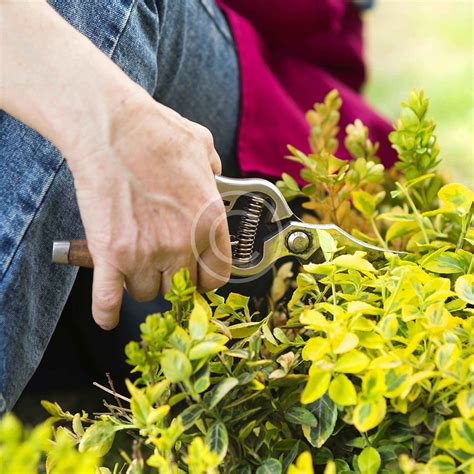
(315, 348)
(441, 463)
(300, 416)
(417, 416)
(205, 349)
(465, 403)
(236, 301)
(462, 432)
(369, 461)
(325, 411)
(222, 389)
(456, 197)
(369, 413)
(53, 408)
(443, 262)
(316, 387)
(242, 330)
(400, 229)
(291, 456)
(175, 365)
(353, 262)
(270, 466)
(139, 404)
(77, 425)
(373, 383)
(327, 243)
(217, 439)
(443, 438)
(10, 430)
(99, 438)
(342, 391)
(199, 318)
(246, 430)
(190, 415)
(352, 362)
(364, 202)
(464, 288)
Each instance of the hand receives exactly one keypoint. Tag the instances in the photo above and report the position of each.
(147, 193)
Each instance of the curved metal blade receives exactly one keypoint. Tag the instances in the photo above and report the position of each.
(350, 237)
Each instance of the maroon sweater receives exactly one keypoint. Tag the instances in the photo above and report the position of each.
(291, 55)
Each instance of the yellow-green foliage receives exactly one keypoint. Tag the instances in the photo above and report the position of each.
(365, 363)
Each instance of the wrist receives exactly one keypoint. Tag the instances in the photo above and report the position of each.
(88, 123)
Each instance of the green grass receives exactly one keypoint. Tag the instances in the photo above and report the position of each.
(427, 44)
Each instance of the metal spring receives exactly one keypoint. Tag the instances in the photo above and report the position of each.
(248, 229)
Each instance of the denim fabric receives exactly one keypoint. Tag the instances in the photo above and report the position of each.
(182, 53)
(363, 4)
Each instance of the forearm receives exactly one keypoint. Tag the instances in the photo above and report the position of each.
(53, 78)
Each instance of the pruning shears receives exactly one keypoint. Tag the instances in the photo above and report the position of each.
(262, 226)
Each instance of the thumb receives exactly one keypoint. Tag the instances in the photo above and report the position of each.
(107, 293)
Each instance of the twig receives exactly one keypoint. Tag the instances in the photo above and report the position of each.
(115, 394)
(466, 222)
(111, 383)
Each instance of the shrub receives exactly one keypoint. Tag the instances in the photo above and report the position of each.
(365, 363)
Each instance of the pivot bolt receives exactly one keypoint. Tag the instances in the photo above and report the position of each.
(298, 242)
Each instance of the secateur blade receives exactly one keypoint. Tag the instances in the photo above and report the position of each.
(264, 229)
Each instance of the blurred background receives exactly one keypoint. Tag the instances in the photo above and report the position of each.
(427, 44)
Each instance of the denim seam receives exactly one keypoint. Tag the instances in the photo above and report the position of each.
(227, 36)
(124, 27)
(42, 197)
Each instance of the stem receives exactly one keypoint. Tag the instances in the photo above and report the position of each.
(394, 294)
(194, 395)
(416, 213)
(377, 233)
(115, 394)
(333, 287)
(450, 392)
(465, 228)
(462, 467)
(111, 384)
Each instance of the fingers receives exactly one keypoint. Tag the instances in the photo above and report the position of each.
(215, 262)
(107, 292)
(208, 140)
(216, 164)
(167, 276)
(144, 286)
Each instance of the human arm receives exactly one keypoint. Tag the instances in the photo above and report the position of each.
(142, 172)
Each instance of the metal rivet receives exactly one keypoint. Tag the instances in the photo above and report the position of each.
(298, 242)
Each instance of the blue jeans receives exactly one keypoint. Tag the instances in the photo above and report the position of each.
(182, 53)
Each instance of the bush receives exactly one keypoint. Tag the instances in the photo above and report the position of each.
(365, 363)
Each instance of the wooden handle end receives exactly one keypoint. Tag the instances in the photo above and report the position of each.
(72, 252)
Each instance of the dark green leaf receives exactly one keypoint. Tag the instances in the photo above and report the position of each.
(222, 389)
(190, 415)
(270, 466)
(217, 439)
(99, 438)
(291, 456)
(325, 411)
(300, 416)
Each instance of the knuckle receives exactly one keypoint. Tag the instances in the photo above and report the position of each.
(205, 137)
(212, 282)
(180, 244)
(143, 296)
